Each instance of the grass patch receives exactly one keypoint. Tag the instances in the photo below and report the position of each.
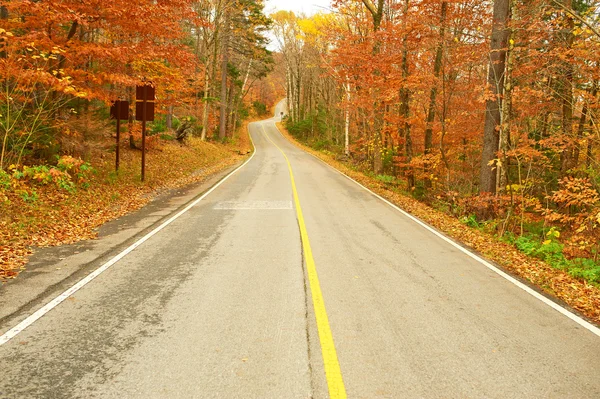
(551, 251)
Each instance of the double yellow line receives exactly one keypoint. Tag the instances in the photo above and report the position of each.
(333, 373)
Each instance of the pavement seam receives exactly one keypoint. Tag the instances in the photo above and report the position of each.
(306, 318)
(333, 373)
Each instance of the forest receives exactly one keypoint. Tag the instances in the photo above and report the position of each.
(485, 110)
(63, 63)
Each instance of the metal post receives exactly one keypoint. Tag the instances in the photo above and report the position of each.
(145, 96)
(118, 136)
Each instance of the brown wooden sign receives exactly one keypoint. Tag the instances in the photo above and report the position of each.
(144, 106)
(145, 92)
(119, 110)
(148, 107)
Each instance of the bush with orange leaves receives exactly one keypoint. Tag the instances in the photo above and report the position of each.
(577, 204)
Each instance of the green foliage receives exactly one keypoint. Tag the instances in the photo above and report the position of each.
(386, 179)
(537, 229)
(586, 269)
(314, 126)
(176, 123)
(30, 197)
(419, 190)
(321, 144)
(471, 221)
(551, 251)
(67, 173)
(300, 129)
(387, 158)
(157, 127)
(260, 108)
(4, 180)
(243, 114)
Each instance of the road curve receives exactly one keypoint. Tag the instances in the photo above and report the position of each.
(221, 304)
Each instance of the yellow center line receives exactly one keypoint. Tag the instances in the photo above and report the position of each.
(333, 373)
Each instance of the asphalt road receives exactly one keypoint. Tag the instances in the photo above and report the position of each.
(220, 304)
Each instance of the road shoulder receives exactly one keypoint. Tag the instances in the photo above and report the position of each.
(52, 270)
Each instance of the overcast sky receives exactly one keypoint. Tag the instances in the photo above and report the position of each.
(307, 6)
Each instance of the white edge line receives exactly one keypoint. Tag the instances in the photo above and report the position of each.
(577, 319)
(13, 332)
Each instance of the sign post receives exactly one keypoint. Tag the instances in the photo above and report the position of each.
(144, 112)
(119, 110)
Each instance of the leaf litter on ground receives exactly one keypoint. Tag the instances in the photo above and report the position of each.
(57, 217)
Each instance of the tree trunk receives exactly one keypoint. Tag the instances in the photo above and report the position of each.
(240, 97)
(224, 65)
(205, 109)
(591, 126)
(3, 15)
(565, 91)
(507, 103)
(405, 105)
(169, 118)
(377, 14)
(437, 69)
(347, 119)
(131, 121)
(491, 133)
(580, 132)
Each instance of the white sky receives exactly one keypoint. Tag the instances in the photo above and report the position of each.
(306, 6)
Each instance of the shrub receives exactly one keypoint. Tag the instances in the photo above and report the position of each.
(4, 180)
(67, 173)
(260, 108)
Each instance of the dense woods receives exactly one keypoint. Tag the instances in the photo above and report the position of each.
(487, 110)
(62, 63)
(65, 60)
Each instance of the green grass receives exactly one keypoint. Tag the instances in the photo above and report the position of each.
(551, 251)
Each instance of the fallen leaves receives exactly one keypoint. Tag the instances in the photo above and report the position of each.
(57, 217)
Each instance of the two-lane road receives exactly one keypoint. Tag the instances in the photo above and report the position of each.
(220, 304)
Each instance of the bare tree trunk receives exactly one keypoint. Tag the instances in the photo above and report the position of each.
(3, 15)
(224, 65)
(205, 109)
(297, 87)
(405, 105)
(507, 103)
(377, 15)
(566, 91)
(592, 124)
(437, 68)
(347, 119)
(169, 118)
(491, 134)
(131, 121)
(291, 98)
(580, 132)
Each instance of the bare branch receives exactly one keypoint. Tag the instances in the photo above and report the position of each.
(370, 6)
(577, 17)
